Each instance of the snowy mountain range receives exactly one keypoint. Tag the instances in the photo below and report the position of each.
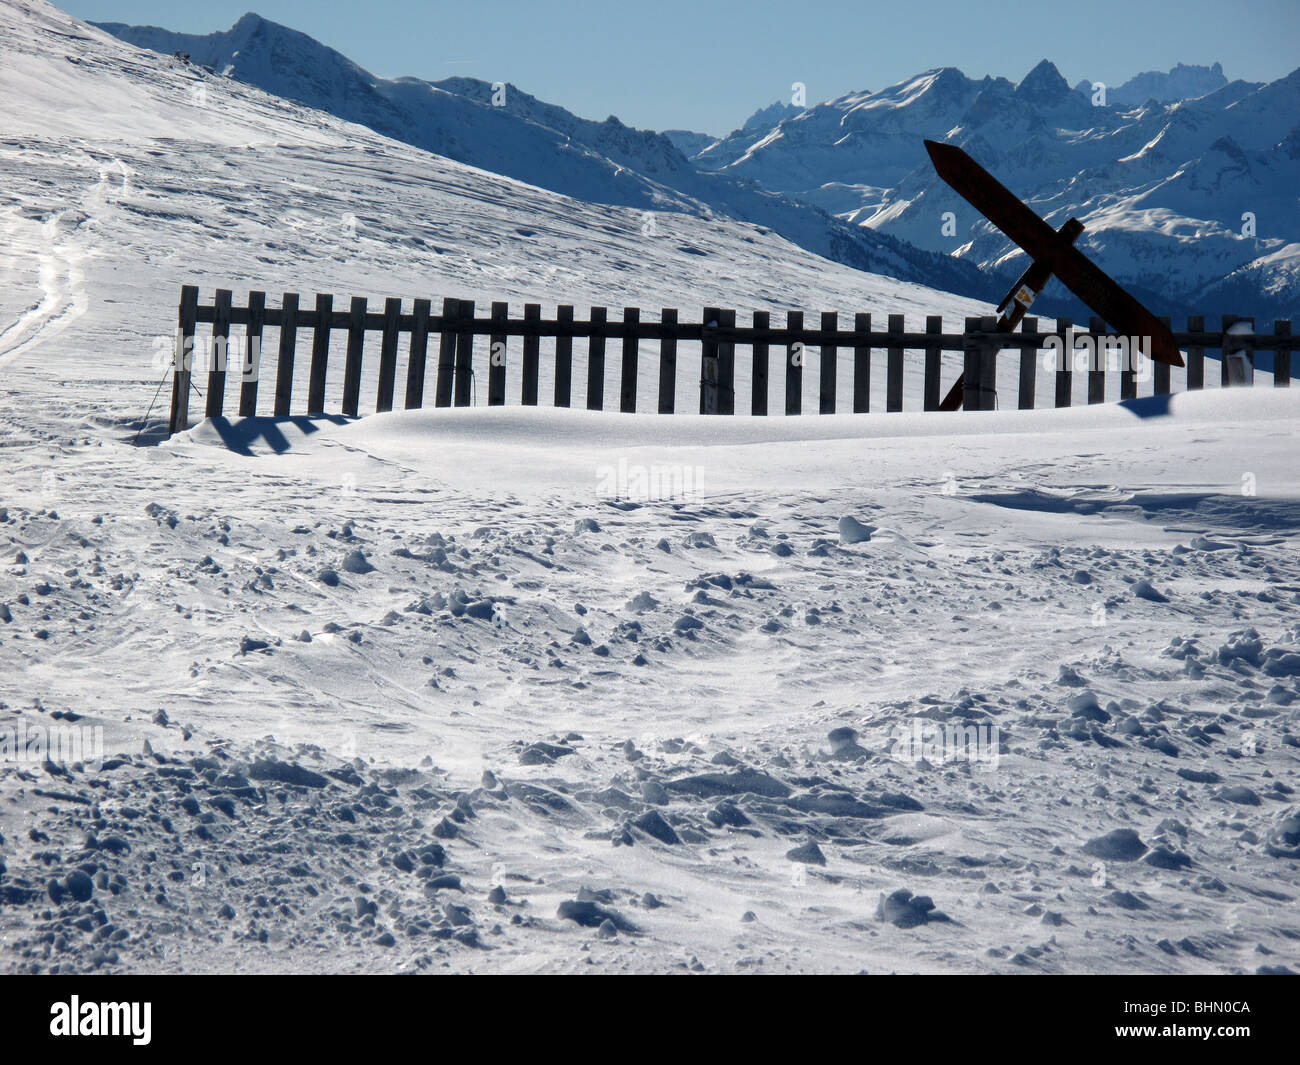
(1182, 83)
(1186, 182)
(516, 135)
(1168, 191)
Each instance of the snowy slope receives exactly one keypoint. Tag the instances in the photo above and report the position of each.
(455, 690)
(514, 134)
(1161, 188)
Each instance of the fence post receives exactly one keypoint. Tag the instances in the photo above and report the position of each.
(563, 358)
(1195, 356)
(183, 361)
(709, 362)
(668, 364)
(1065, 371)
(727, 366)
(464, 355)
(1282, 355)
(628, 370)
(1237, 353)
(532, 356)
(794, 360)
(251, 369)
(498, 346)
(1159, 371)
(288, 346)
(443, 386)
(827, 366)
(320, 353)
(989, 364)
(894, 369)
(861, 366)
(356, 350)
(971, 348)
(933, 363)
(417, 355)
(219, 354)
(758, 378)
(1028, 368)
(1097, 371)
(1128, 385)
(596, 360)
(388, 356)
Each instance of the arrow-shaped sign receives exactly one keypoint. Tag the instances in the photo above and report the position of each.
(1049, 248)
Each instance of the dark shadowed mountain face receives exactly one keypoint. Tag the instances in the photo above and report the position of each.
(505, 130)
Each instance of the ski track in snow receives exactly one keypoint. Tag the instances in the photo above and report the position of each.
(542, 729)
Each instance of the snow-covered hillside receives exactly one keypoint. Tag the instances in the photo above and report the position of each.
(1163, 189)
(508, 690)
(507, 131)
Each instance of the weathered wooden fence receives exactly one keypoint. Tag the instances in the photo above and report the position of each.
(717, 333)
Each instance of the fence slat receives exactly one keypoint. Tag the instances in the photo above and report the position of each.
(320, 353)
(288, 344)
(1028, 368)
(596, 361)
(442, 388)
(563, 359)
(933, 364)
(388, 356)
(1160, 375)
(252, 365)
(668, 365)
(498, 348)
(356, 350)
(628, 370)
(989, 364)
(187, 318)
(709, 362)
(532, 356)
(1195, 356)
(1097, 371)
(464, 380)
(827, 365)
(417, 354)
(1282, 355)
(727, 366)
(1064, 371)
(219, 355)
(894, 369)
(970, 375)
(861, 366)
(794, 359)
(1128, 384)
(758, 381)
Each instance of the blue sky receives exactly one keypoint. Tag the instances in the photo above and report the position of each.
(707, 65)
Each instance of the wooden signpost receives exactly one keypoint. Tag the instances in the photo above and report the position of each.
(1052, 252)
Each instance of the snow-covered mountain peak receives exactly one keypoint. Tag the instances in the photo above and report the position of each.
(1043, 86)
(771, 115)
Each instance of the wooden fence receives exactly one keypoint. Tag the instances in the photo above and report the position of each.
(454, 382)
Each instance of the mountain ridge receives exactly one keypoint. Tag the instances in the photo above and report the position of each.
(1167, 191)
(542, 144)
